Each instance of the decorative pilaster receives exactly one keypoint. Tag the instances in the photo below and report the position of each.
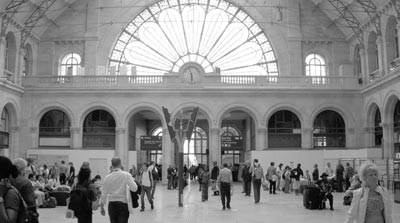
(76, 137)
(34, 137)
(121, 149)
(215, 146)
(2, 53)
(379, 43)
(369, 136)
(13, 143)
(388, 139)
(307, 138)
(261, 139)
(168, 154)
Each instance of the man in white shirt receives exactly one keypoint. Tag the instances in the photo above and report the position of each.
(114, 190)
(147, 185)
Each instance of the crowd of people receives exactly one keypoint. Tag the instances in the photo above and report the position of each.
(21, 180)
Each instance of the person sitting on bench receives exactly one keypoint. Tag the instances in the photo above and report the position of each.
(325, 191)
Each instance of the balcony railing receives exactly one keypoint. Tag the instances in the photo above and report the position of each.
(173, 80)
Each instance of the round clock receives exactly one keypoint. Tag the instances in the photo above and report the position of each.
(191, 74)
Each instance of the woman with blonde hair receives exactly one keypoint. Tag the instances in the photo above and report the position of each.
(371, 203)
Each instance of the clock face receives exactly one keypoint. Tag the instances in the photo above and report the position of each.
(191, 74)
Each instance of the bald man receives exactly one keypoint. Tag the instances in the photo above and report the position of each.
(114, 191)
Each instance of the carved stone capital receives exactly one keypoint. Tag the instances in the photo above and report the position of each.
(215, 131)
(307, 130)
(262, 130)
(75, 130)
(120, 130)
(34, 129)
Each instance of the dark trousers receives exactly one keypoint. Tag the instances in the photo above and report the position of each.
(204, 191)
(63, 178)
(347, 182)
(340, 183)
(247, 187)
(169, 187)
(256, 189)
(153, 190)
(118, 212)
(324, 197)
(147, 191)
(272, 186)
(225, 191)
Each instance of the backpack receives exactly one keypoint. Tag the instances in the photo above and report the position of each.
(257, 173)
(79, 200)
(26, 214)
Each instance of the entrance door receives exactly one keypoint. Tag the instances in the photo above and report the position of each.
(98, 166)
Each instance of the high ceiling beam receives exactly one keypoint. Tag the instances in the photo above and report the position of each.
(38, 13)
(370, 8)
(10, 10)
(351, 20)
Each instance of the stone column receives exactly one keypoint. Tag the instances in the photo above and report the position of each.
(121, 149)
(76, 137)
(215, 146)
(388, 141)
(369, 136)
(364, 68)
(15, 150)
(34, 137)
(261, 137)
(379, 43)
(167, 154)
(307, 137)
(2, 53)
(350, 138)
(398, 34)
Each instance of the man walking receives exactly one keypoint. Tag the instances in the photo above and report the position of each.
(272, 176)
(147, 185)
(349, 172)
(225, 183)
(114, 191)
(63, 172)
(214, 176)
(257, 174)
(246, 176)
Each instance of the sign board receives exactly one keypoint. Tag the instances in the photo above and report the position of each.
(150, 142)
(232, 143)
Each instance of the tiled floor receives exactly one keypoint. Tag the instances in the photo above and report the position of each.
(285, 208)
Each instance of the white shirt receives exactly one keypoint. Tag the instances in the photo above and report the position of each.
(115, 186)
(147, 178)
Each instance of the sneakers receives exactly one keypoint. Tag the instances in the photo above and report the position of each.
(141, 209)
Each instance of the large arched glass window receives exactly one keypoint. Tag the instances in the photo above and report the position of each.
(284, 130)
(10, 56)
(329, 130)
(229, 131)
(378, 128)
(99, 130)
(54, 129)
(316, 67)
(213, 34)
(196, 151)
(70, 64)
(4, 128)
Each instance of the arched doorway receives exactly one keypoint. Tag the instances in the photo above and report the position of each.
(54, 129)
(284, 130)
(329, 130)
(99, 130)
(237, 137)
(145, 136)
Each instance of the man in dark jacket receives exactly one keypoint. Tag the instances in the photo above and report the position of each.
(339, 176)
(246, 176)
(214, 176)
(315, 173)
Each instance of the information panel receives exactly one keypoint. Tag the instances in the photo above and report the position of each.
(232, 143)
(150, 142)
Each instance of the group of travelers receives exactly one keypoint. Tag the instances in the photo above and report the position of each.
(370, 202)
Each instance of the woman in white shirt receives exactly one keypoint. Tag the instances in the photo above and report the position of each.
(371, 203)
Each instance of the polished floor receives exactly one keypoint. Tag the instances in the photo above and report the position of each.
(285, 208)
